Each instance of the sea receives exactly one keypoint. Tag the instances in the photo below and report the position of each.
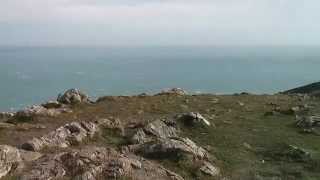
(33, 75)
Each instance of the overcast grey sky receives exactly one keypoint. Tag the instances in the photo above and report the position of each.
(159, 22)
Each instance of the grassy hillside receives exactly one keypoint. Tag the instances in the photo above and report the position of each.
(313, 88)
(245, 142)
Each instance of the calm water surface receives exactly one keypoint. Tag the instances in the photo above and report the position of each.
(30, 75)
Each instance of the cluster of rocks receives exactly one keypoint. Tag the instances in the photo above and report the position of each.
(13, 159)
(90, 163)
(70, 134)
(160, 139)
(173, 91)
(50, 108)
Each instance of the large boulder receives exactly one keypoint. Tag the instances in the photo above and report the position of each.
(91, 163)
(73, 96)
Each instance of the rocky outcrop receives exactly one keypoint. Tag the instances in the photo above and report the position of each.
(11, 157)
(90, 163)
(173, 91)
(40, 111)
(193, 118)
(170, 147)
(160, 129)
(73, 96)
(69, 134)
(156, 129)
(159, 139)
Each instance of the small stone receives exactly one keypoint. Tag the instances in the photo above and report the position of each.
(247, 146)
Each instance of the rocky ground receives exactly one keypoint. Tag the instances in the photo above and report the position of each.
(170, 135)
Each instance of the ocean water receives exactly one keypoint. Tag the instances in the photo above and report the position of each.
(30, 75)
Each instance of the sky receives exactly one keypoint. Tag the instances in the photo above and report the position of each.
(159, 22)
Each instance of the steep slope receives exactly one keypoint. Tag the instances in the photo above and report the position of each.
(312, 89)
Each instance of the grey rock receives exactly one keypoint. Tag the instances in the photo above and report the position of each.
(194, 118)
(172, 146)
(73, 96)
(160, 129)
(112, 123)
(63, 137)
(173, 91)
(10, 157)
